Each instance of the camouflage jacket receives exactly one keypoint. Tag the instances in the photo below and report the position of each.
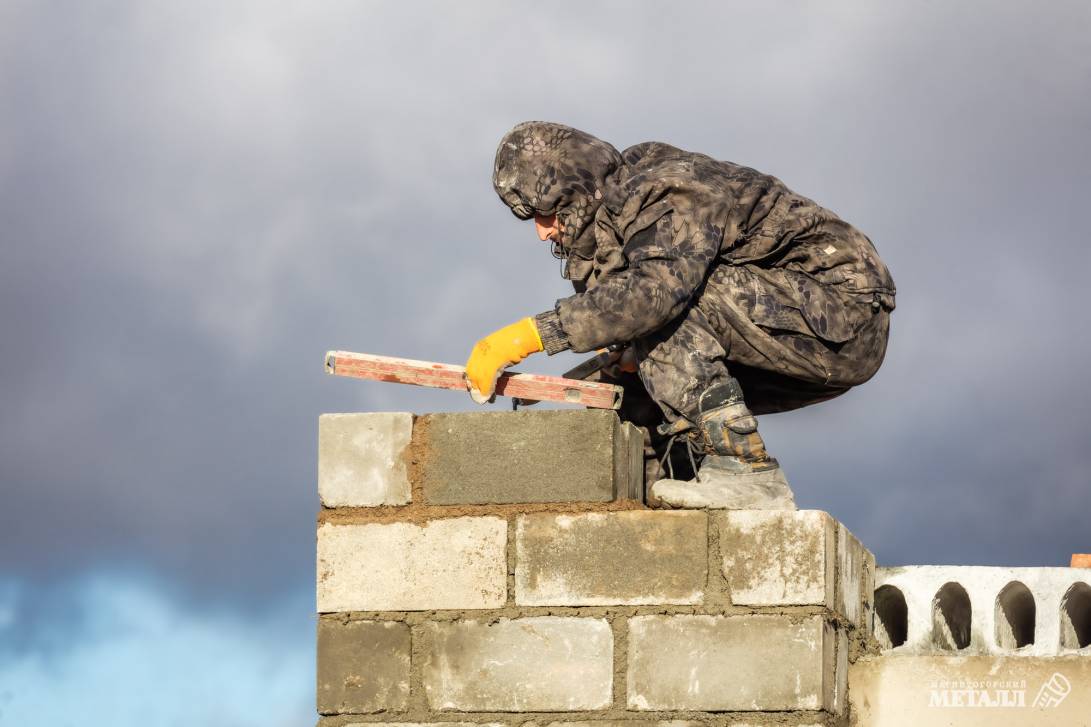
(644, 229)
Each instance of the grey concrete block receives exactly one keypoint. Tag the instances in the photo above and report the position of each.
(627, 723)
(779, 558)
(545, 664)
(426, 724)
(526, 456)
(362, 666)
(730, 663)
(668, 723)
(629, 467)
(855, 579)
(599, 559)
(520, 721)
(837, 692)
(361, 459)
(451, 563)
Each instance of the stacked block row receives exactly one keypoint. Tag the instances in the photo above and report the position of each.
(572, 606)
(984, 610)
(479, 458)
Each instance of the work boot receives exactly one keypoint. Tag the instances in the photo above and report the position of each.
(737, 472)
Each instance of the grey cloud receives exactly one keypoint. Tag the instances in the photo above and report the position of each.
(200, 199)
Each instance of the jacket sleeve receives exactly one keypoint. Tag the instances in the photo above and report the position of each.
(665, 268)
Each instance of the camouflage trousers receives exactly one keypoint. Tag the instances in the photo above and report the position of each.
(758, 325)
(755, 325)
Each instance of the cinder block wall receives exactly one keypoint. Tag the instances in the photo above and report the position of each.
(501, 568)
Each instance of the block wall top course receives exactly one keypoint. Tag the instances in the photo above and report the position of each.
(387, 461)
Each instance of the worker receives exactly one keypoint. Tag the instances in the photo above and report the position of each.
(731, 295)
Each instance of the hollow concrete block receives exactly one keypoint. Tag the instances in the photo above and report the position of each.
(974, 610)
(600, 559)
(363, 666)
(779, 558)
(731, 663)
(362, 459)
(528, 456)
(544, 664)
(401, 566)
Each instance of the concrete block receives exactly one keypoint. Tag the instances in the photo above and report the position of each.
(630, 474)
(420, 724)
(361, 459)
(983, 610)
(855, 579)
(778, 558)
(970, 691)
(423, 724)
(362, 666)
(600, 559)
(452, 563)
(730, 663)
(626, 723)
(545, 664)
(839, 699)
(526, 456)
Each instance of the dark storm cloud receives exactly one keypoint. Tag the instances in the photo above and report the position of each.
(199, 200)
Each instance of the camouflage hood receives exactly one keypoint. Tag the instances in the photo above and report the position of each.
(543, 169)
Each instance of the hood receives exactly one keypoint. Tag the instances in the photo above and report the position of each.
(544, 168)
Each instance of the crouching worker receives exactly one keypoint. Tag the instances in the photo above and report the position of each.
(732, 295)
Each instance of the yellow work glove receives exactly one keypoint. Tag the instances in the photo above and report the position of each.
(494, 352)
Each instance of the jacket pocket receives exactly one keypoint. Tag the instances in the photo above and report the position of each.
(788, 301)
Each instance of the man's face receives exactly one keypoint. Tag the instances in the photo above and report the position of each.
(547, 228)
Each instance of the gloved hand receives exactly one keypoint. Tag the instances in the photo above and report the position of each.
(492, 354)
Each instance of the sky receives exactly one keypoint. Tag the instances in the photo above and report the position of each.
(198, 199)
